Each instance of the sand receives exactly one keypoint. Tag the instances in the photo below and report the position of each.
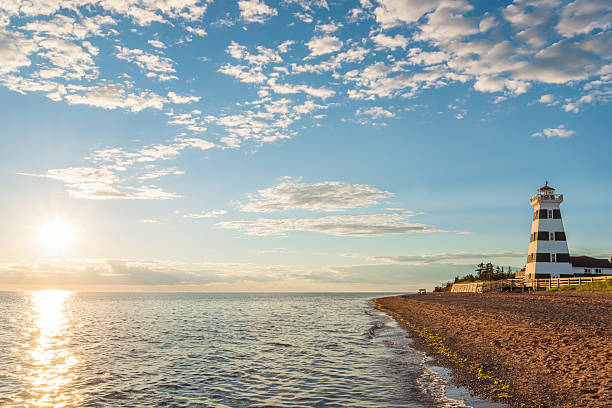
(543, 349)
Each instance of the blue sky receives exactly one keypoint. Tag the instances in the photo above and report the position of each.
(295, 145)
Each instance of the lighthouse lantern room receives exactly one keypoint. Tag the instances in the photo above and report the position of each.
(548, 255)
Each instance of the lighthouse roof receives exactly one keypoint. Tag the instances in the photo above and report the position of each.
(546, 187)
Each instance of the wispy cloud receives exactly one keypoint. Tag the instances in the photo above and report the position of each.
(560, 132)
(208, 214)
(370, 225)
(324, 196)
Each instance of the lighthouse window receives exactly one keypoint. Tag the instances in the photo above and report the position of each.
(550, 213)
(553, 257)
(557, 214)
(560, 236)
(551, 236)
(561, 257)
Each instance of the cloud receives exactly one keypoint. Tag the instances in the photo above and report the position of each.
(446, 257)
(200, 32)
(66, 27)
(584, 16)
(370, 225)
(174, 98)
(560, 132)
(112, 96)
(100, 184)
(75, 61)
(102, 180)
(329, 27)
(152, 63)
(209, 214)
(547, 99)
(255, 11)
(325, 196)
(14, 51)
(137, 273)
(385, 41)
(264, 56)
(157, 43)
(323, 45)
(447, 23)
(391, 13)
(375, 112)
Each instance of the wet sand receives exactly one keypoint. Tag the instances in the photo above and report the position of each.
(544, 349)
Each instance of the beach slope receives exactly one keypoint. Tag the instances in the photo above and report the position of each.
(544, 349)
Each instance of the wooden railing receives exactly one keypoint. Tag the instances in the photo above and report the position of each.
(522, 284)
(556, 282)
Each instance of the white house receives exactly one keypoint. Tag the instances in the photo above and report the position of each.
(548, 255)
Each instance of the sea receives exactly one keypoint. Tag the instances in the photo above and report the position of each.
(73, 349)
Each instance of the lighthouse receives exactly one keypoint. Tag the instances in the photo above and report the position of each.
(548, 255)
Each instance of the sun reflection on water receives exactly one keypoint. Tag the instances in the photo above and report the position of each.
(51, 362)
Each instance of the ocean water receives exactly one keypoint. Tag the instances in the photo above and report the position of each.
(212, 350)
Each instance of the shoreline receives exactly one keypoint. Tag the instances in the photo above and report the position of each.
(525, 350)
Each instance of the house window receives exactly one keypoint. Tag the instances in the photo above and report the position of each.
(597, 270)
(553, 257)
(586, 270)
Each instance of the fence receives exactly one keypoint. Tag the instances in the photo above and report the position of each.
(556, 282)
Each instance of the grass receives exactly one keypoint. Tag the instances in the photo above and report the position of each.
(597, 285)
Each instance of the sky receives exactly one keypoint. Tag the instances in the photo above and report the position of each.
(296, 145)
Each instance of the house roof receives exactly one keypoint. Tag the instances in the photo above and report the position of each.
(588, 262)
(546, 187)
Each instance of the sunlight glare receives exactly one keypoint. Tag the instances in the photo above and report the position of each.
(56, 235)
(51, 360)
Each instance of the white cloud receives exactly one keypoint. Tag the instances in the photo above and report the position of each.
(264, 55)
(385, 41)
(157, 43)
(244, 73)
(560, 132)
(370, 225)
(61, 26)
(174, 98)
(285, 45)
(14, 51)
(325, 196)
(547, 99)
(391, 13)
(155, 64)
(323, 45)
(446, 257)
(100, 184)
(112, 96)
(447, 23)
(71, 58)
(209, 214)
(328, 28)
(255, 11)
(200, 32)
(584, 16)
(375, 112)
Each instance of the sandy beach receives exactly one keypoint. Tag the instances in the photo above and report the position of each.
(544, 349)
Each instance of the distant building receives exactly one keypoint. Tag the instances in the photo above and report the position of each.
(548, 255)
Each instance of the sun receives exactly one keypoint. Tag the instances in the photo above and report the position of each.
(56, 235)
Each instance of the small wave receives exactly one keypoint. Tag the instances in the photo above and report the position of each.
(372, 330)
(279, 344)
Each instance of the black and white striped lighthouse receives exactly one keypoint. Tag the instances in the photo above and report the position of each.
(548, 254)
